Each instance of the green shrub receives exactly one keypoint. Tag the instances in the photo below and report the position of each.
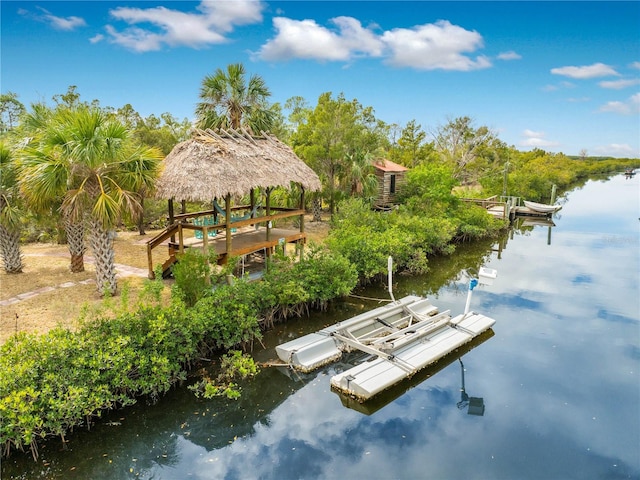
(194, 275)
(51, 383)
(233, 366)
(224, 320)
(367, 238)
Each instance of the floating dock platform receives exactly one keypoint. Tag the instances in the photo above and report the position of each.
(315, 350)
(401, 339)
(372, 377)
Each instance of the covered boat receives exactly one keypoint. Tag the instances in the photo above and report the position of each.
(541, 207)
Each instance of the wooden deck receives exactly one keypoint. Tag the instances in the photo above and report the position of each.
(245, 236)
(244, 241)
(497, 208)
(506, 208)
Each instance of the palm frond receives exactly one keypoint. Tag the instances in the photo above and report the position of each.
(75, 203)
(106, 209)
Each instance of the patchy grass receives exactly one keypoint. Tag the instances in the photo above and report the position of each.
(62, 295)
(63, 298)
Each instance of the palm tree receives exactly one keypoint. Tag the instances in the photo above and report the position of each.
(40, 126)
(10, 212)
(228, 100)
(358, 177)
(93, 159)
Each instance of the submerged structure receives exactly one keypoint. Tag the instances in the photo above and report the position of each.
(401, 339)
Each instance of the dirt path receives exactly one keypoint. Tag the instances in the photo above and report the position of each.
(47, 294)
(122, 271)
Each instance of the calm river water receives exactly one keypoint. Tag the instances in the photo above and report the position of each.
(559, 380)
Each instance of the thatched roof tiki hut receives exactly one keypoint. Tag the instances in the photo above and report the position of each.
(216, 167)
(391, 177)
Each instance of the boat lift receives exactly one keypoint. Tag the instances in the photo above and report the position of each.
(402, 338)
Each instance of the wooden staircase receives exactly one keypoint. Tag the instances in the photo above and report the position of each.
(167, 233)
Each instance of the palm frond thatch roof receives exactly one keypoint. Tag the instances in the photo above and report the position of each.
(211, 165)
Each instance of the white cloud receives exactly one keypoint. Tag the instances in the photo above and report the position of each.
(224, 15)
(59, 23)
(358, 39)
(578, 100)
(308, 40)
(619, 84)
(431, 46)
(68, 23)
(136, 39)
(511, 55)
(535, 139)
(635, 65)
(553, 88)
(584, 72)
(616, 150)
(177, 28)
(629, 107)
(530, 133)
(96, 38)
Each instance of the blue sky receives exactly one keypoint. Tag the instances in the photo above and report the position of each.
(561, 76)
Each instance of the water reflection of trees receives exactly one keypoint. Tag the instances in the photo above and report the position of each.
(447, 271)
(145, 439)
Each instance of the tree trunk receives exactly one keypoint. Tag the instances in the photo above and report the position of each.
(10, 250)
(101, 243)
(317, 210)
(75, 240)
(140, 217)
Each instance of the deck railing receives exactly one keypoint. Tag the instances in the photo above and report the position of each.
(505, 203)
(184, 221)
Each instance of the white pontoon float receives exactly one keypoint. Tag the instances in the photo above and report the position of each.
(402, 337)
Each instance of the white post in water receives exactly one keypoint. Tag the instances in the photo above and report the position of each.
(486, 276)
(389, 269)
(472, 284)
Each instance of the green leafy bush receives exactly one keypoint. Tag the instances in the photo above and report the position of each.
(367, 238)
(233, 366)
(194, 274)
(54, 382)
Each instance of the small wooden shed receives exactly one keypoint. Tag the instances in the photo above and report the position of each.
(214, 167)
(391, 177)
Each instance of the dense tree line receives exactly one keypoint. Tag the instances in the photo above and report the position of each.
(338, 137)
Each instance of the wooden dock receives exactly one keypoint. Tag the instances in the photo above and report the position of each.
(506, 207)
(496, 207)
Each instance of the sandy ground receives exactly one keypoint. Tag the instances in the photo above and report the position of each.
(47, 294)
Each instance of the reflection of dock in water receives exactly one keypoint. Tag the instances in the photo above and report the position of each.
(537, 222)
(523, 224)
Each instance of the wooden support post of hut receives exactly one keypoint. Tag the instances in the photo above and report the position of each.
(229, 164)
(302, 221)
(391, 177)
